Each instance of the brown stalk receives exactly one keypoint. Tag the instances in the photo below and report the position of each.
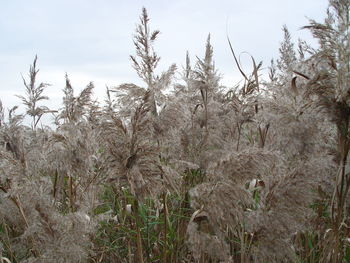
(139, 247)
(165, 228)
(129, 251)
(17, 201)
(236, 60)
(8, 245)
(55, 185)
(263, 135)
(239, 128)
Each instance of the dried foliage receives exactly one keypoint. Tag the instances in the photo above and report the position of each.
(188, 170)
(34, 95)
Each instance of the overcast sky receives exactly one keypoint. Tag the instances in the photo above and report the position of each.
(91, 40)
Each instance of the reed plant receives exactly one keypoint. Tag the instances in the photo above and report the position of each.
(186, 170)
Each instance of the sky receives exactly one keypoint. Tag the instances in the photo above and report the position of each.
(91, 40)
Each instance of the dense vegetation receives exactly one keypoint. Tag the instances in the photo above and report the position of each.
(190, 171)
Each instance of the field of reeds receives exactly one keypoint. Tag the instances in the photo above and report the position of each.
(186, 171)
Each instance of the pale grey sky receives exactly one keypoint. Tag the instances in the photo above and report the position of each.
(91, 40)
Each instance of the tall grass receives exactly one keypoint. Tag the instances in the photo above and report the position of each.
(201, 173)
